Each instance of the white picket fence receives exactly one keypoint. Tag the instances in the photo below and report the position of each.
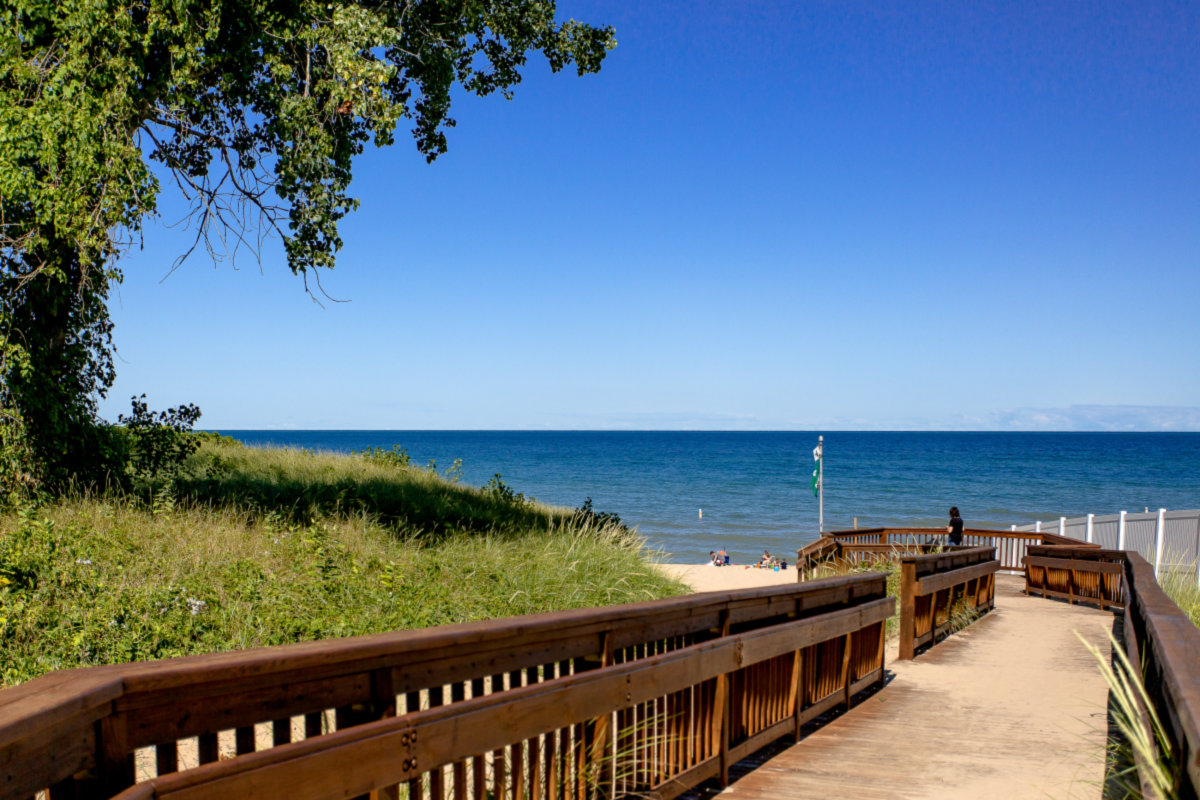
(1168, 539)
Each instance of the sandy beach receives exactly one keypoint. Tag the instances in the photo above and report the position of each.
(707, 578)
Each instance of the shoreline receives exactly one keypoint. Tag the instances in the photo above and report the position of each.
(707, 578)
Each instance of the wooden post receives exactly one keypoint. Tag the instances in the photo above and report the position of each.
(723, 709)
(166, 758)
(281, 731)
(243, 739)
(499, 762)
(796, 691)
(908, 608)
(115, 756)
(846, 672)
(598, 754)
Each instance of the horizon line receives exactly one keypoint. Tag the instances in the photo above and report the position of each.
(690, 430)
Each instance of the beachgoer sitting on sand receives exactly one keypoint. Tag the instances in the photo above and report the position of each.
(765, 561)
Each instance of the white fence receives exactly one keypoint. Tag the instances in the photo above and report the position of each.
(1170, 540)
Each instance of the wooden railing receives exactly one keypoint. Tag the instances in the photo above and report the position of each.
(1077, 574)
(1166, 645)
(637, 699)
(1010, 546)
(935, 588)
(1158, 638)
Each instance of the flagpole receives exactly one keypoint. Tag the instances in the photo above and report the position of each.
(821, 486)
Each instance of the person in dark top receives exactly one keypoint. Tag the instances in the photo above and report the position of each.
(955, 528)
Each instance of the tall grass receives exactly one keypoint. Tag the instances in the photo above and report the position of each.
(961, 614)
(1182, 587)
(269, 547)
(831, 567)
(1141, 755)
(301, 484)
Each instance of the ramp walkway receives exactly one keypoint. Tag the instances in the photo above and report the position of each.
(1011, 707)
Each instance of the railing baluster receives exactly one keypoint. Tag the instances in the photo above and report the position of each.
(499, 757)
(281, 731)
(478, 762)
(244, 739)
(166, 758)
(437, 777)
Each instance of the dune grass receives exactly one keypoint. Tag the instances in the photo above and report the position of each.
(832, 567)
(1182, 587)
(301, 484)
(260, 547)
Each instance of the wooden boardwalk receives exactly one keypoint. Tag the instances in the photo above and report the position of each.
(1012, 707)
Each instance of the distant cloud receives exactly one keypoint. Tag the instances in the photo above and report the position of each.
(1097, 418)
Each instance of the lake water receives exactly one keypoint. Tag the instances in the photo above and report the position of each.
(753, 487)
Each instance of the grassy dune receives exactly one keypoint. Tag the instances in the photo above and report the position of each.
(259, 547)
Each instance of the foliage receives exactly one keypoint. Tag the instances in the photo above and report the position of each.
(1147, 744)
(586, 514)
(396, 457)
(303, 486)
(1181, 586)
(832, 567)
(254, 110)
(501, 492)
(159, 441)
(86, 581)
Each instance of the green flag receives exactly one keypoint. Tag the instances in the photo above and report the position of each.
(816, 476)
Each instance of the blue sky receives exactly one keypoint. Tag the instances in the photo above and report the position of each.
(757, 216)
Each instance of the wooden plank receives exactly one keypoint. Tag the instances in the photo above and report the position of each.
(908, 610)
(1093, 601)
(45, 758)
(189, 714)
(1099, 567)
(945, 580)
(60, 698)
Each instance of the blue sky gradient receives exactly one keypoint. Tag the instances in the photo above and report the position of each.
(757, 216)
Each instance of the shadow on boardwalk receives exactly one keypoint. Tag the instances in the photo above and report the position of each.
(1012, 707)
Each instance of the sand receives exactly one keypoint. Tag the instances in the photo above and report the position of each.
(707, 578)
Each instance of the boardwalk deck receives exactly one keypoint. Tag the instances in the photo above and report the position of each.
(1013, 707)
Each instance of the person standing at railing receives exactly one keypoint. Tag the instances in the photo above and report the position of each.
(955, 528)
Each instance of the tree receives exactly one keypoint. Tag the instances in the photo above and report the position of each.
(253, 109)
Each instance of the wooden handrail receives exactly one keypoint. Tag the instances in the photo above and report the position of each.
(1010, 546)
(1166, 645)
(438, 737)
(77, 731)
(931, 585)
